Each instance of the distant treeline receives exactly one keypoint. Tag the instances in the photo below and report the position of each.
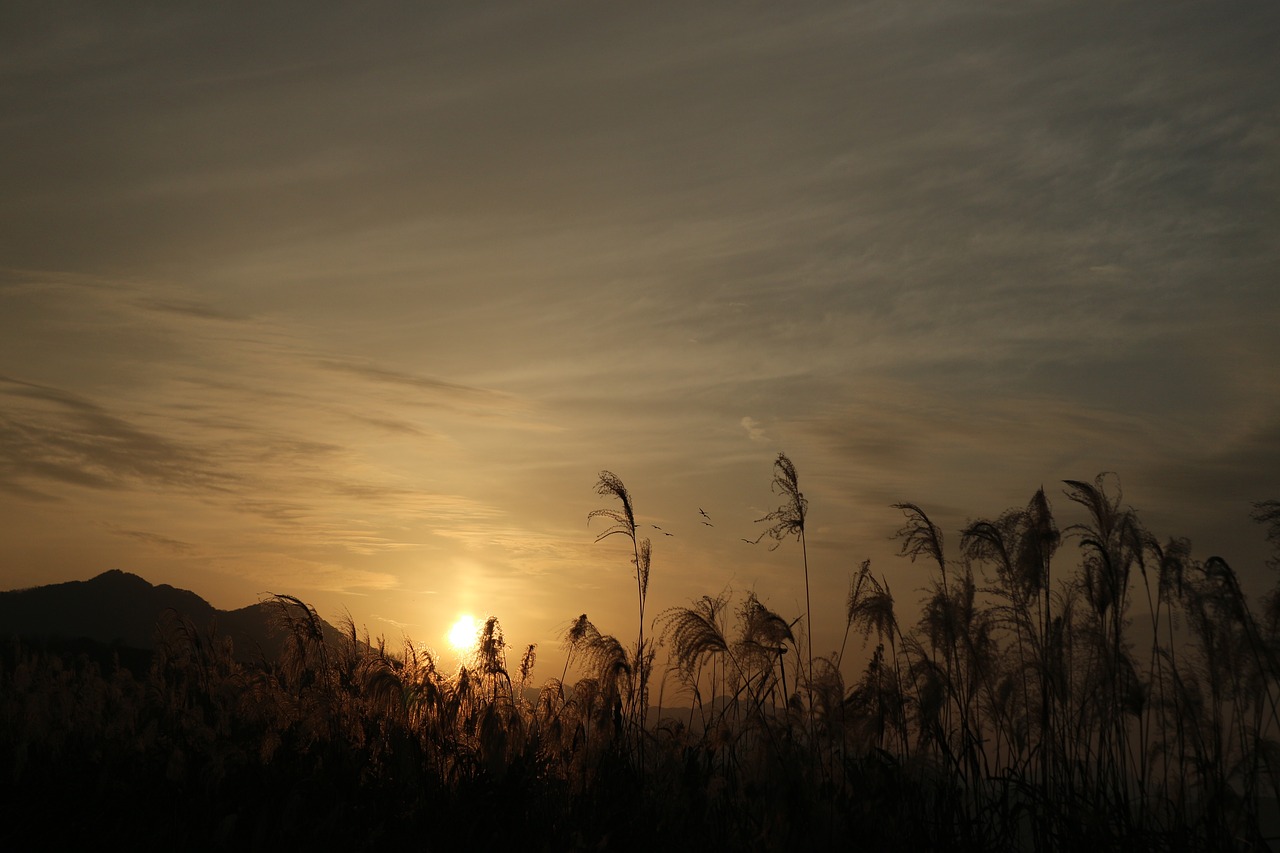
(1025, 710)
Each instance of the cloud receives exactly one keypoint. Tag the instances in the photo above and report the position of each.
(375, 301)
(188, 308)
(308, 491)
(48, 435)
(753, 428)
(398, 426)
(155, 539)
(286, 572)
(436, 389)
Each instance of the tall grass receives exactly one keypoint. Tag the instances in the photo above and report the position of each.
(639, 667)
(787, 521)
(1074, 684)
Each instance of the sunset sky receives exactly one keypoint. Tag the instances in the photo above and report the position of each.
(355, 301)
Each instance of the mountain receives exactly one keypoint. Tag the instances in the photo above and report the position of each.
(121, 609)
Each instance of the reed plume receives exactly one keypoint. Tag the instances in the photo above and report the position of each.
(786, 521)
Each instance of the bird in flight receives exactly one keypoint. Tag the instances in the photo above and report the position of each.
(703, 513)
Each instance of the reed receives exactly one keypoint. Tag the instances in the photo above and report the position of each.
(1021, 710)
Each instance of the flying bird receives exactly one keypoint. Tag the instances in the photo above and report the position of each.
(708, 524)
(703, 512)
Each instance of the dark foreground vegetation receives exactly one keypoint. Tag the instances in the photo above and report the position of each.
(1126, 701)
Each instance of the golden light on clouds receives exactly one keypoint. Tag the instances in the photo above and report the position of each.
(349, 314)
(355, 302)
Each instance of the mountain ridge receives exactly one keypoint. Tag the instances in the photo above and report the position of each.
(122, 609)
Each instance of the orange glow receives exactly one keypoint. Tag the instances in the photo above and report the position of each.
(462, 636)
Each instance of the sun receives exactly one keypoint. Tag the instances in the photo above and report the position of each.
(462, 636)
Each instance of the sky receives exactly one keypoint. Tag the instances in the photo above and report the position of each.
(355, 301)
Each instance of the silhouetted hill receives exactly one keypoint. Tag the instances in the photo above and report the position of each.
(121, 609)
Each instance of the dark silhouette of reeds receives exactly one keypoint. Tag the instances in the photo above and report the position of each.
(1083, 685)
(638, 666)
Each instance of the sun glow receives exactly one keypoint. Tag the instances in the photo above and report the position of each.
(463, 634)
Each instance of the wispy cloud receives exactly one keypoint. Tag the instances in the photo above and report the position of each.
(47, 434)
(164, 543)
(434, 391)
(187, 308)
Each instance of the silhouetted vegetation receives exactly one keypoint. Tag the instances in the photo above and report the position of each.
(1127, 700)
